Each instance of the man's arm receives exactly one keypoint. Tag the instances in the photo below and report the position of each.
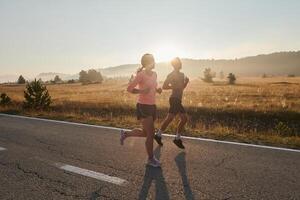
(167, 84)
(186, 81)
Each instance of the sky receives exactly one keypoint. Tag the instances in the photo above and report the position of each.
(67, 36)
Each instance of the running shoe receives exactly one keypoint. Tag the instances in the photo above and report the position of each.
(178, 143)
(158, 139)
(122, 137)
(153, 162)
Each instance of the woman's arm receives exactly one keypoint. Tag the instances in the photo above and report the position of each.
(159, 90)
(139, 91)
(133, 83)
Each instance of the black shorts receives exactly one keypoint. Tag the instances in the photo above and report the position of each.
(176, 106)
(144, 111)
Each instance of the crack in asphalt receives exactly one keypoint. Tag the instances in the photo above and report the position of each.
(52, 148)
(234, 171)
(49, 147)
(35, 174)
(223, 161)
(97, 193)
(234, 196)
(62, 193)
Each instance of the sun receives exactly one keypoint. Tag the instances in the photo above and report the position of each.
(166, 52)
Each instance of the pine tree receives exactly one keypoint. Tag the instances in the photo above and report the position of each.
(57, 79)
(36, 96)
(4, 99)
(21, 80)
(231, 78)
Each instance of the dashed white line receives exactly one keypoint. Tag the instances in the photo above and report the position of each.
(2, 149)
(168, 135)
(92, 174)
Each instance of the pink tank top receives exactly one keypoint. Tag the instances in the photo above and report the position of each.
(143, 81)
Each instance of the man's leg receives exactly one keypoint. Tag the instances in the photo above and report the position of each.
(180, 128)
(167, 121)
(181, 124)
(163, 127)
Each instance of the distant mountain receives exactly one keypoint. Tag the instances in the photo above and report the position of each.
(129, 69)
(121, 70)
(8, 78)
(50, 76)
(281, 63)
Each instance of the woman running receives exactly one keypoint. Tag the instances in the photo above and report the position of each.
(145, 85)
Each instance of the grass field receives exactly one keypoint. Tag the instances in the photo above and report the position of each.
(255, 110)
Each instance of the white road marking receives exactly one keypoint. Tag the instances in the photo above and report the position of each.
(2, 149)
(61, 122)
(92, 174)
(168, 135)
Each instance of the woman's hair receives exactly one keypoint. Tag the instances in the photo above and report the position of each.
(146, 60)
(176, 62)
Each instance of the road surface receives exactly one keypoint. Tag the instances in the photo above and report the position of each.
(52, 160)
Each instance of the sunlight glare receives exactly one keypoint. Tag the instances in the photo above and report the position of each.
(166, 52)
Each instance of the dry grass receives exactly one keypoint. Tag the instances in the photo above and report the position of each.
(255, 110)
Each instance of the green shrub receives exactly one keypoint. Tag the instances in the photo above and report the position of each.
(283, 129)
(208, 75)
(231, 78)
(4, 99)
(36, 96)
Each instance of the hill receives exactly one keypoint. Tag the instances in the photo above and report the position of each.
(281, 63)
(50, 76)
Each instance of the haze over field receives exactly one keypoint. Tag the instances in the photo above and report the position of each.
(276, 64)
(68, 36)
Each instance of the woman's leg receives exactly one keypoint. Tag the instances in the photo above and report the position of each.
(148, 126)
(136, 132)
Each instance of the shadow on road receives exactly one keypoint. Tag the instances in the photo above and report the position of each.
(156, 175)
(181, 164)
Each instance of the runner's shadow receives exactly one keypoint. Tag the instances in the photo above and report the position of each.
(156, 175)
(181, 164)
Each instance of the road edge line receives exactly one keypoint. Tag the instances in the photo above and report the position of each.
(167, 135)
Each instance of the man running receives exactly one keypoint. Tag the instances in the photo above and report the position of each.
(177, 82)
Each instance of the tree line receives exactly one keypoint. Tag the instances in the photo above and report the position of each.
(85, 77)
(36, 95)
(209, 75)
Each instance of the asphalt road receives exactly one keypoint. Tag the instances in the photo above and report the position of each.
(33, 152)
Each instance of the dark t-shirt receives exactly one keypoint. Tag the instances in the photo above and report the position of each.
(176, 80)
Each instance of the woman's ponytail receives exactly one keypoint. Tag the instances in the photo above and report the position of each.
(140, 69)
(146, 60)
